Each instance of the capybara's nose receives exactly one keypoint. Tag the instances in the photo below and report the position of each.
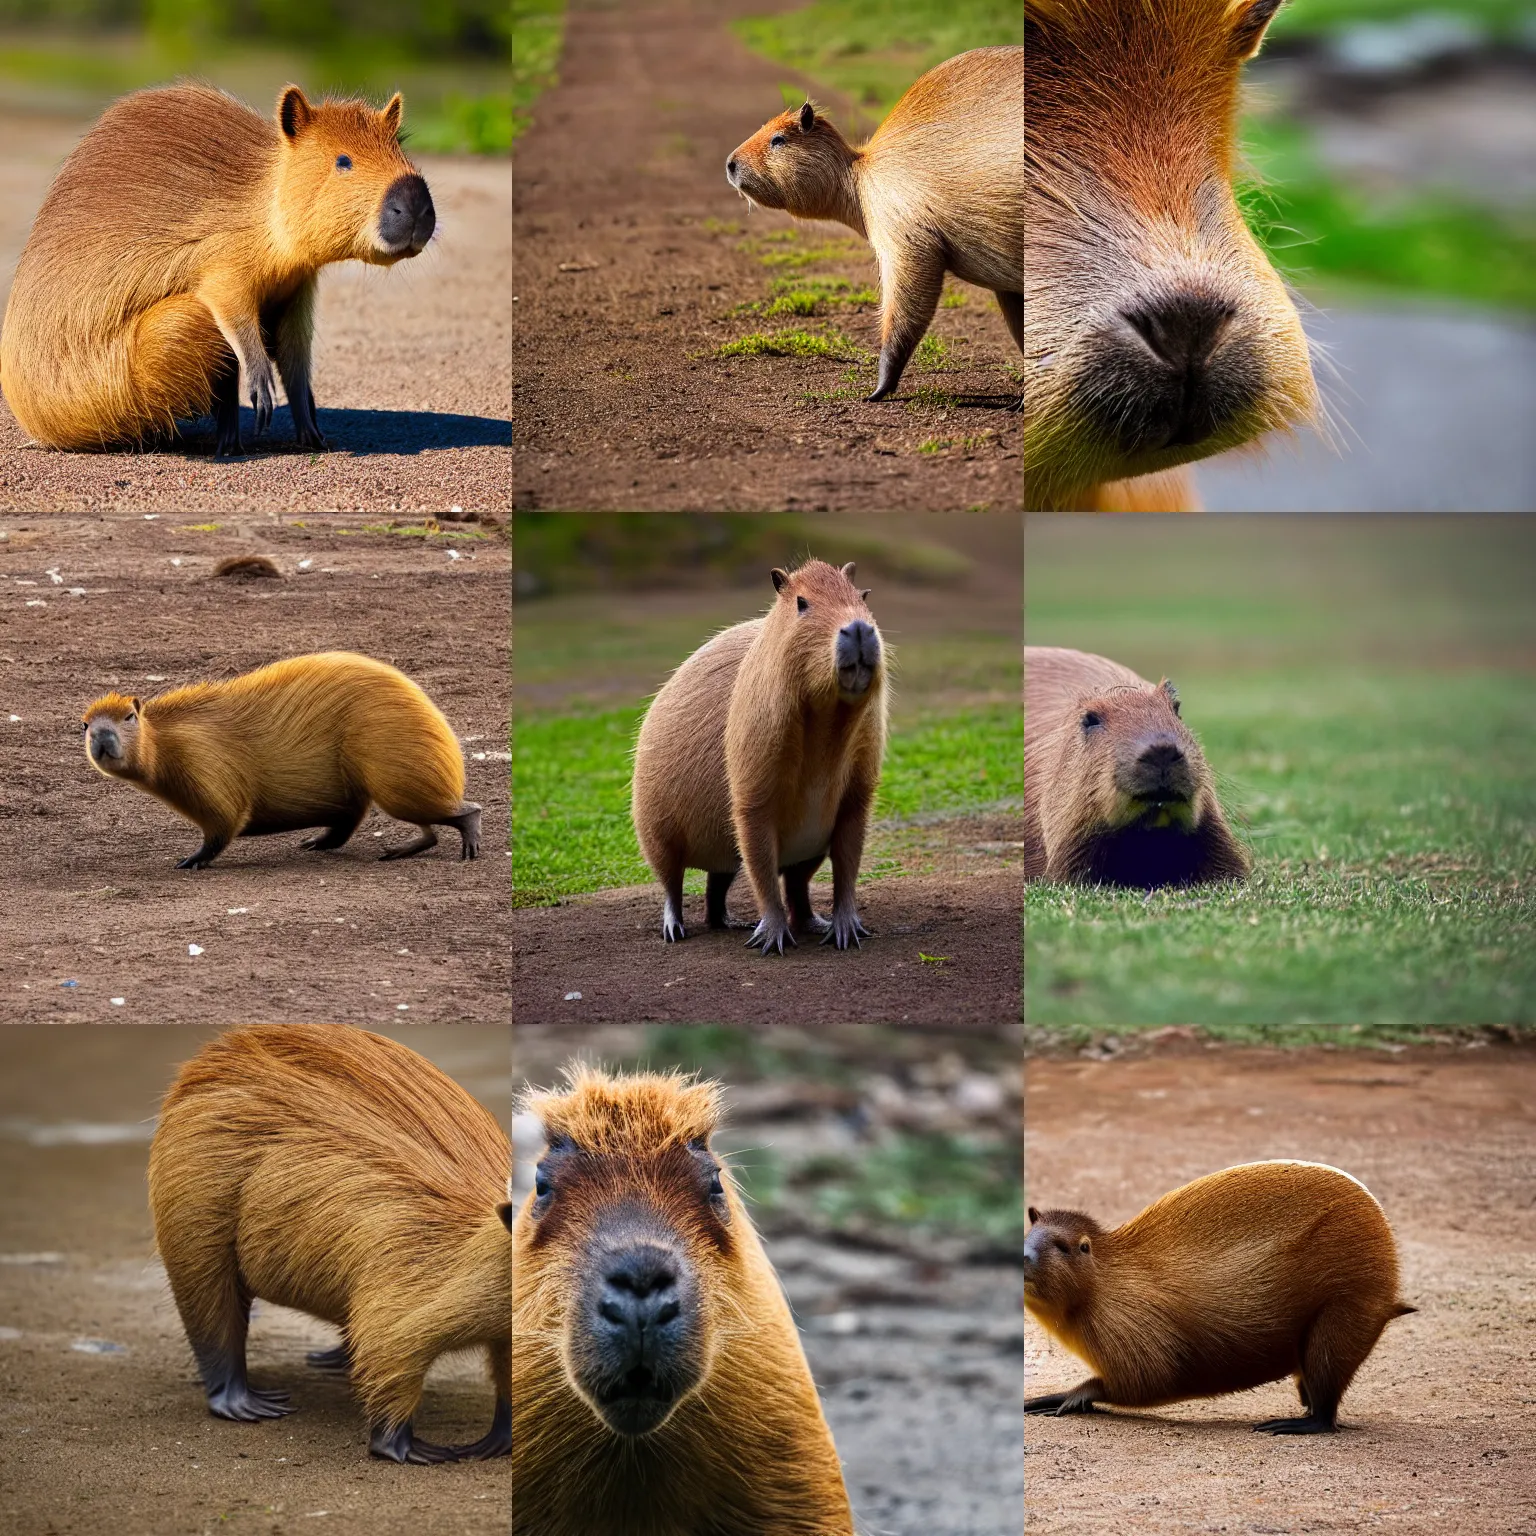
(104, 743)
(858, 644)
(1159, 756)
(639, 1300)
(1171, 371)
(730, 170)
(407, 217)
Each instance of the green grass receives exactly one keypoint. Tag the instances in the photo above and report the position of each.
(1321, 231)
(538, 31)
(1364, 691)
(1498, 18)
(570, 787)
(872, 50)
(793, 344)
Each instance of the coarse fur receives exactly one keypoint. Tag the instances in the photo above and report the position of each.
(337, 1172)
(180, 244)
(764, 749)
(1116, 788)
(308, 742)
(1158, 332)
(1245, 1276)
(744, 1449)
(938, 188)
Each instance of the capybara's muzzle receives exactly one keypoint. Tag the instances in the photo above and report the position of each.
(1156, 771)
(407, 217)
(1170, 370)
(636, 1354)
(858, 656)
(103, 743)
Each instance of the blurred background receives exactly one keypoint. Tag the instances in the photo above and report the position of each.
(1391, 173)
(884, 1168)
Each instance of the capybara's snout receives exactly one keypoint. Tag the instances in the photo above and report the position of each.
(407, 217)
(858, 656)
(1156, 769)
(637, 1350)
(103, 742)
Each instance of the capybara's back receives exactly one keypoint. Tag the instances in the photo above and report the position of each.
(337, 1172)
(1158, 331)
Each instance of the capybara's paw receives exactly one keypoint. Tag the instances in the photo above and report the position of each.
(240, 1401)
(229, 444)
(1306, 1426)
(845, 929)
(400, 1444)
(309, 435)
(771, 934)
(262, 400)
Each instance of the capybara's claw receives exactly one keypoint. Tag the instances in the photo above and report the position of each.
(243, 1403)
(261, 402)
(845, 928)
(400, 1444)
(229, 444)
(496, 1442)
(770, 936)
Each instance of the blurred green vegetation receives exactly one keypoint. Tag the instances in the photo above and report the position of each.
(448, 57)
(872, 50)
(538, 30)
(1497, 18)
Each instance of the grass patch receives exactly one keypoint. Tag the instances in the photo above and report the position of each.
(1364, 692)
(872, 53)
(1318, 229)
(570, 790)
(793, 344)
(932, 354)
(1495, 18)
(538, 33)
(930, 445)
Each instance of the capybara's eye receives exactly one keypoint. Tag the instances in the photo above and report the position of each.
(1083, 1246)
(543, 1185)
(343, 162)
(801, 604)
(778, 141)
(1092, 719)
(715, 1186)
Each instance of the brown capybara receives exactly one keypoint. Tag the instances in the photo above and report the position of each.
(764, 749)
(181, 244)
(1157, 332)
(1116, 788)
(1245, 1276)
(939, 188)
(308, 742)
(334, 1171)
(659, 1386)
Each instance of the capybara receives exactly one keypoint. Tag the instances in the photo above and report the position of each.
(1157, 330)
(939, 188)
(331, 1170)
(1245, 1276)
(659, 1387)
(181, 244)
(308, 742)
(764, 749)
(1116, 788)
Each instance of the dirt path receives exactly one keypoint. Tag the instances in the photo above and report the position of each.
(412, 372)
(608, 948)
(1438, 1426)
(117, 1442)
(91, 905)
(624, 295)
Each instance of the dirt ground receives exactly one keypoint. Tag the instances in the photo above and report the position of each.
(105, 1427)
(92, 907)
(412, 373)
(608, 948)
(1438, 1427)
(914, 1345)
(623, 296)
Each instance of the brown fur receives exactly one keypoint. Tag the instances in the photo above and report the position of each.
(753, 753)
(1129, 164)
(1090, 814)
(747, 1452)
(258, 567)
(334, 1171)
(183, 235)
(307, 742)
(1245, 1276)
(937, 189)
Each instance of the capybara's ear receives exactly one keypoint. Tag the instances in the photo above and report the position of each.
(293, 111)
(391, 114)
(848, 570)
(1172, 692)
(1034, 1215)
(807, 118)
(779, 578)
(136, 706)
(1251, 27)
(504, 1210)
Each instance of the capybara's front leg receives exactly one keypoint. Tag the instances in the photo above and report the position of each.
(226, 411)
(215, 841)
(847, 854)
(293, 339)
(758, 840)
(399, 1442)
(1079, 1400)
(911, 280)
(239, 323)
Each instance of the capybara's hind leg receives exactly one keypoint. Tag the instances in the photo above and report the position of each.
(497, 1441)
(668, 865)
(1012, 306)
(717, 886)
(911, 279)
(1338, 1340)
(426, 838)
(797, 897)
(338, 832)
(337, 1359)
(176, 361)
(466, 821)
